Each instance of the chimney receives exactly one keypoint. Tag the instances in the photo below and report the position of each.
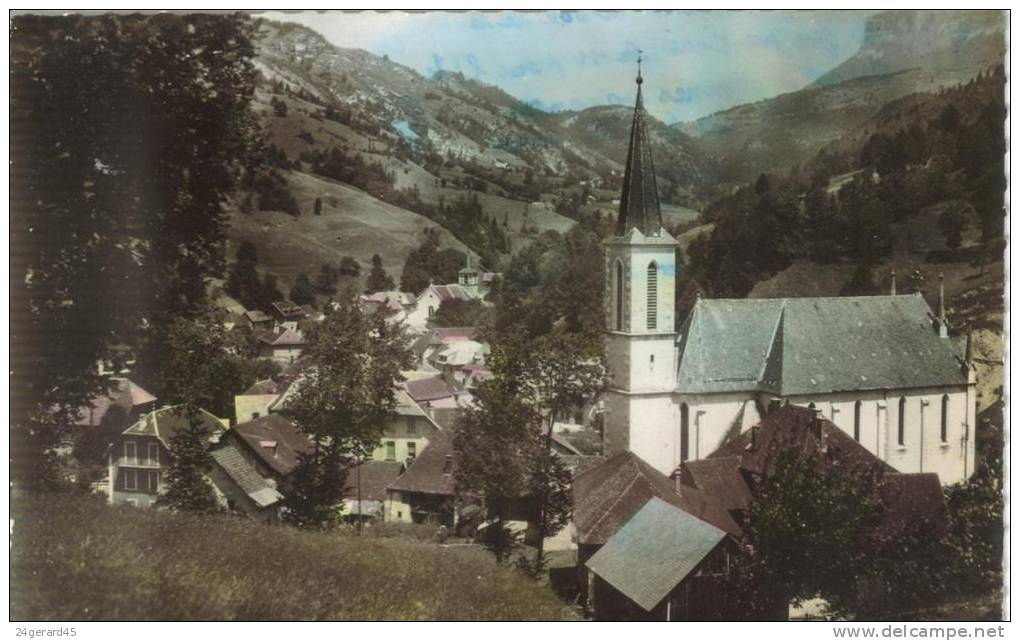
(892, 283)
(678, 475)
(816, 425)
(942, 323)
(448, 464)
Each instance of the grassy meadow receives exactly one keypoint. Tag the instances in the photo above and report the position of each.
(76, 558)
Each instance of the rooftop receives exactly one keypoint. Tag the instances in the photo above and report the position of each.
(431, 472)
(654, 551)
(814, 345)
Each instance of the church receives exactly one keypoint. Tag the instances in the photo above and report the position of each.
(881, 368)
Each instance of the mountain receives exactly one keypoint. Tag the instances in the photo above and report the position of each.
(952, 46)
(903, 52)
(453, 116)
(366, 136)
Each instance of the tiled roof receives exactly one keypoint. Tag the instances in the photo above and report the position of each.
(913, 501)
(607, 495)
(375, 477)
(431, 472)
(814, 345)
(165, 422)
(281, 337)
(789, 428)
(236, 466)
(720, 478)
(123, 393)
(654, 551)
(289, 441)
(429, 389)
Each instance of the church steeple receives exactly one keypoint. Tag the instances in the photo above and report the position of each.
(639, 203)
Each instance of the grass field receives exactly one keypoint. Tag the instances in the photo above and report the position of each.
(75, 558)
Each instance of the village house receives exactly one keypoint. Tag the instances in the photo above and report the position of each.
(287, 314)
(125, 398)
(425, 492)
(427, 303)
(138, 456)
(882, 368)
(240, 487)
(283, 345)
(366, 490)
(651, 547)
(408, 435)
(272, 445)
(257, 320)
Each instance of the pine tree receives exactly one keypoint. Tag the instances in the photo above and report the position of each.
(302, 293)
(378, 280)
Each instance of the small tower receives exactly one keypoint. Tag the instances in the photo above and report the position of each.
(639, 311)
(468, 277)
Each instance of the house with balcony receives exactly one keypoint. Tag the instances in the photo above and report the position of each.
(139, 455)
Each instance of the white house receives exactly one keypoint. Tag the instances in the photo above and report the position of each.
(882, 368)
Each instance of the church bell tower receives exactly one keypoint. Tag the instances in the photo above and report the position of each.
(640, 312)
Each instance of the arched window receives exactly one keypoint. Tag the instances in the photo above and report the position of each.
(684, 430)
(811, 405)
(943, 426)
(618, 268)
(901, 420)
(653, 295)
(857, 421)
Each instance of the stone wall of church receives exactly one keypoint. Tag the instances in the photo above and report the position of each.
(922, 448)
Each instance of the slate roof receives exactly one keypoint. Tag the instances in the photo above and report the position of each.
(123, 393)
(656, 550)
(289, 442)
(639, 201)
(792, 346)
(375, 477)
(607, 495)
(233, 462)
(431, 472)
(165, 422)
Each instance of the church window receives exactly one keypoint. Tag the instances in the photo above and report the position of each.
(653, 294)
(857, 421)
(901, 420)
(618, 290)
(684, 430)
(944, 425)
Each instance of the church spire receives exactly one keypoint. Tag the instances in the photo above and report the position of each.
(639, 202)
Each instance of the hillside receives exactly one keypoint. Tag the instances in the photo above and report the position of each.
(75, 558)
(339, 121)
(903, 52)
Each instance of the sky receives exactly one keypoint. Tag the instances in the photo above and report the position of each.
(695, 62)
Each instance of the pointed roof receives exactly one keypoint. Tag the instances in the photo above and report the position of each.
(639, 202)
